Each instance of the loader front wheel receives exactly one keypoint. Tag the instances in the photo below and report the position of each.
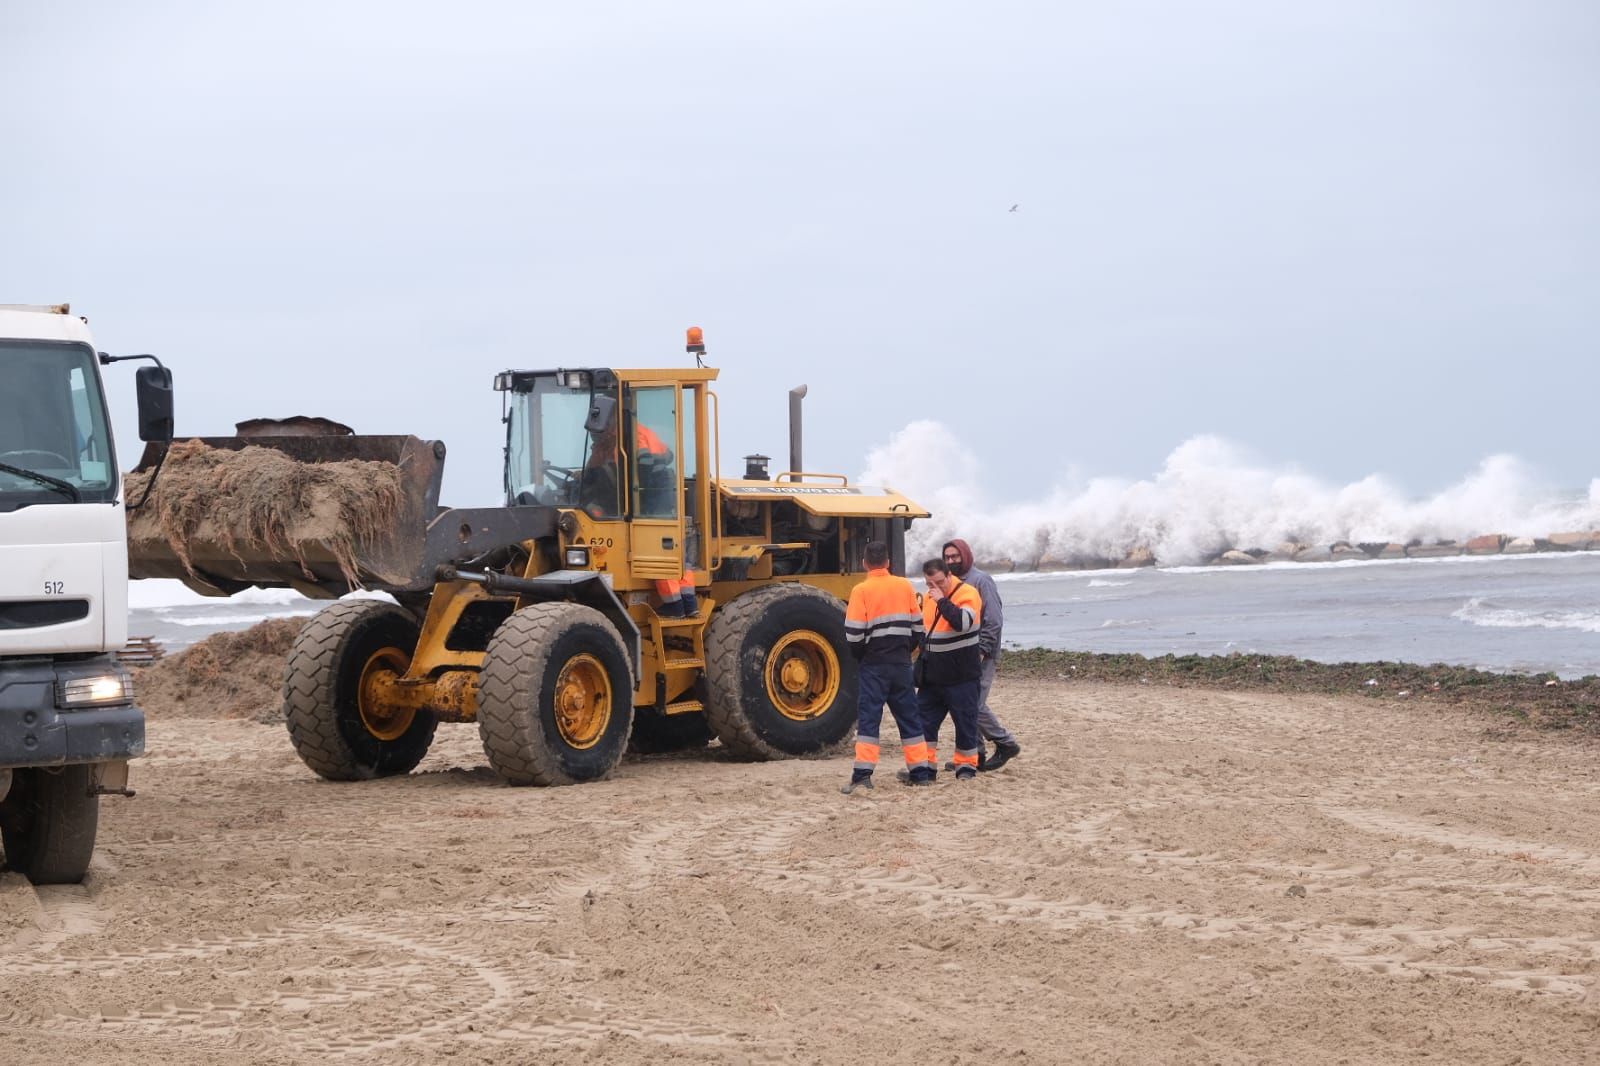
(779, 676)
(555, 698)
(340, 667)
(48, 823)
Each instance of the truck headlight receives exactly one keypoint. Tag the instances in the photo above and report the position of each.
(578, 558)
(99, 690)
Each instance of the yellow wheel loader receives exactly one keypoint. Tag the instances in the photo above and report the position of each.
(556, 622)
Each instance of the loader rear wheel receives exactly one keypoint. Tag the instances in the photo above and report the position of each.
(555, 698)
(339, 666)
(779, 676)
(48, 823)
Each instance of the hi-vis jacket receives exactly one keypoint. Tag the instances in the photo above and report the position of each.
(952, 624)
(882, 623)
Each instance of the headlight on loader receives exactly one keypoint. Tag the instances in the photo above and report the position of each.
(101, 690)
(578, 558)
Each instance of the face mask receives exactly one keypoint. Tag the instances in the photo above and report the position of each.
(955, 566)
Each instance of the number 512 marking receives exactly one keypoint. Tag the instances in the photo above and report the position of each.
(54, 588)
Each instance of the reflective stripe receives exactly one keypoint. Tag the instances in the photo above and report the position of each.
(883, 621)
(867, 754)
(916, 754)
(954, 645)
(965, 758)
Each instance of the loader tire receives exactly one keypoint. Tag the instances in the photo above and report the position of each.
(779, 674)
(555, 698)
(335, 725)
(48, 823)
(657, 734)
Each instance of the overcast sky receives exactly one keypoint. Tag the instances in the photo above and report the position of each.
(1356, 237)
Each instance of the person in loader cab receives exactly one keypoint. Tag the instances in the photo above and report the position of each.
(958, 557)
(882, 626)
(657, 485)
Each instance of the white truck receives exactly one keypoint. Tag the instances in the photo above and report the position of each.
(68, 724)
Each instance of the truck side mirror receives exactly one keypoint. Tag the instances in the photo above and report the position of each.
(153, 387)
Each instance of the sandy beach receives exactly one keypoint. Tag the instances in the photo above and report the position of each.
(1166, 875)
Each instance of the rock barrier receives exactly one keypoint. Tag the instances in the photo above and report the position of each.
(1339, 551)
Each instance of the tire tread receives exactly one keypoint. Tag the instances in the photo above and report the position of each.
(513, 664)
(724, 710)
(310, 678)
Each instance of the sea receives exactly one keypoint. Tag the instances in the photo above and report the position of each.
(1523, 613)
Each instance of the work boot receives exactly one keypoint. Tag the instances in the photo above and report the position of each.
(1003, 753)
(670, 609)
(857, 781)
(917, 777)
(690, 604)
(966, 773)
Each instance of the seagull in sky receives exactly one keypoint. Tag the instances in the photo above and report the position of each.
(1015, 206)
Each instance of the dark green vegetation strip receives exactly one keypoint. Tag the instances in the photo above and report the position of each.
(1538, 699)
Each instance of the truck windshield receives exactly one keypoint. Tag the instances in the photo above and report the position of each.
(53, 426)
(551, 458)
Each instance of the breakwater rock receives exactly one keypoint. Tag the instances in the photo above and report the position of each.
(1291, 551)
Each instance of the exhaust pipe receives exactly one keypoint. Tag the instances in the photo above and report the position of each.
(796, 394)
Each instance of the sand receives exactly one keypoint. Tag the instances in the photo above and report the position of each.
(226, 675)
(1165, 875)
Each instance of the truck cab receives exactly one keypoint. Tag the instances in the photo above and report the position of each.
(68, 723)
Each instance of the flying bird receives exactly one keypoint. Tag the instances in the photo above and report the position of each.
(1015, 206)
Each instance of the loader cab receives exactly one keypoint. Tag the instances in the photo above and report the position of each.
(625, 452)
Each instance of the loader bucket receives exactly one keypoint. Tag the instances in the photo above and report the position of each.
(221, 521)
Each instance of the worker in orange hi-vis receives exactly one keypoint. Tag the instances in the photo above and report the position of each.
(952, 614)
(882, 626)
(678, 599)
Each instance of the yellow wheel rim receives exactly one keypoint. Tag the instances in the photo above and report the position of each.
(380, 713)
(802, 675)
(583, 701)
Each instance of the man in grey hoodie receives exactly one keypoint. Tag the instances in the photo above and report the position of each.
(958, 556)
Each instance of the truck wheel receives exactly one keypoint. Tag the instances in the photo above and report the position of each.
(555, 698)
(333, 693)
(655, 734)
(781, 679)
(48, 823)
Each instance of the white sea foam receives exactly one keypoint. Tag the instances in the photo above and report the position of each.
(1099, 583)
(162, 596)
(1478, 613)
(238, 619)
(154, 593)
(1209, 495)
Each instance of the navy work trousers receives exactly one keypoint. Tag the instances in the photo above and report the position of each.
(960, 702)
(877, 684)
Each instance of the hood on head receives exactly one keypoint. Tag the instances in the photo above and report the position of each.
(966, 555)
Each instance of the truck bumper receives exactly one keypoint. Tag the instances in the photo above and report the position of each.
(34, 731)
